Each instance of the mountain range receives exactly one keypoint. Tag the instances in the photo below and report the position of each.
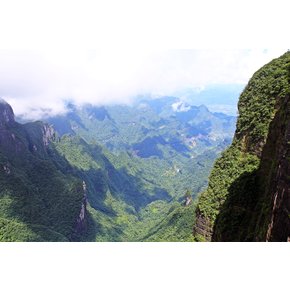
(159, 169)
(121, 172)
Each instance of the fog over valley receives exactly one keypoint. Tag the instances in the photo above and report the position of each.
(39, 83)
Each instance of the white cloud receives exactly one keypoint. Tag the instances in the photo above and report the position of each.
(34, 81)
(180, 107)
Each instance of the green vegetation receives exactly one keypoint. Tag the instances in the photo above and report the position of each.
(259, 102)
(136, 179)
(37, 201)
(232, 164)
(175, 227)
(125, 201)
(229, 204)
(14, 231)
(148, 159)
(159, 222)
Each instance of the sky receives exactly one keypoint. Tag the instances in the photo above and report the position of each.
(39, 82)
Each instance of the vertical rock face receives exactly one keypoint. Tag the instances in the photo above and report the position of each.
(275, 174)
(41, 199)
(188, 201)
(8, 140)
(48, 134)
(81, 224)
(6, 114)
(248, 196)
(203, 228)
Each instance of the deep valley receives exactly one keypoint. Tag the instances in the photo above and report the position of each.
(157, 169)
(129, 167)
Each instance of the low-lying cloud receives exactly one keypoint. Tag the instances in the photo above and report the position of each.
(39, 83)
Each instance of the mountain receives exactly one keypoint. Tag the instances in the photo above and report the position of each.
(107, 173)
(247, 198)
(146, 156)
(38, 201)
(132, 173)
(221, 98)
(164, 137)
(148, 128)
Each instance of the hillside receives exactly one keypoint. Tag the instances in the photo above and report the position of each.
(150, 154)
(120, 173)
(66, 187)
(38, 201)
(162, 137)
(248, 191)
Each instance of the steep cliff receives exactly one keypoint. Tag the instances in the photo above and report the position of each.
(39, 200)
(6, 114)
(81, 223)
(247, 198)
(273, 207)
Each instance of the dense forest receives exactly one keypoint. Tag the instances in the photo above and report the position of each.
(156, 170)
(247, 198)
(118, 173)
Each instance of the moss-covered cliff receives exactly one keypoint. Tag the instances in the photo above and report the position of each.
(248, 191)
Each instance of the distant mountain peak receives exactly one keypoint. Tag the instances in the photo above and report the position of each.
(6, 114)
(203, 108)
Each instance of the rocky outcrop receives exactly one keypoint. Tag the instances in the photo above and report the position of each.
(8, 139)
(81, 223)
(37, 135)
(6, 168)
(6, 114)
(45, 196)
(202, 229)
(48, 134)
(188, 201)
(275, 174)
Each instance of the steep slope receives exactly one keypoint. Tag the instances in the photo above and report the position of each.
(156, 149)
(176, 226)
(246, 199)
(168, 125)
(275, 173)
(64, 189)
(38, 202)
(164, 136)
(79, 190)
(126, 203)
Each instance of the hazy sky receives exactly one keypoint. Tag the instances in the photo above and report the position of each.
(36, 81)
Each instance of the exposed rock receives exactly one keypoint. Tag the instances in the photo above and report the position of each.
(202, 227)
(47, 196)
(188, 201)
(8, 140)
(6, 114)
(275, 167)
(81, 223)
(248, 197)
(48, 134)
(6, 169)
(84, 187)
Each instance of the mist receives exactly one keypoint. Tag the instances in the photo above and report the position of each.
(39, 83)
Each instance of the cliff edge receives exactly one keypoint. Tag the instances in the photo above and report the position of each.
(248, 196)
